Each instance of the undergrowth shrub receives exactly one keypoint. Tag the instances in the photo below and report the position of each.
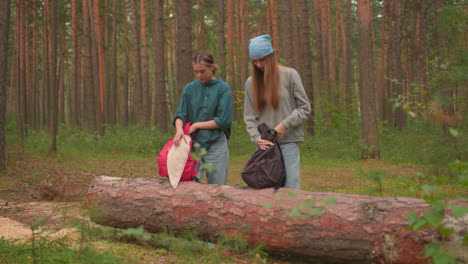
(421, 143)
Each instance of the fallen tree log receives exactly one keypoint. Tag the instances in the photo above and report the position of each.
(340, 228)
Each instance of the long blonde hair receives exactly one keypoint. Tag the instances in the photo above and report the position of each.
(266, 84)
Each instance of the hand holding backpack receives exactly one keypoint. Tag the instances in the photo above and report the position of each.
(265, 169)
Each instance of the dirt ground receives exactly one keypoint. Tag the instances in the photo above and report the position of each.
(51, 190)
(48, 193)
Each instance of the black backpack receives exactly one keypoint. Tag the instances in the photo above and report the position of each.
(265, 169)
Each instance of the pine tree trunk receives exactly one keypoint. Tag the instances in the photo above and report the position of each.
(221, 37)
(340, 56)
(75, 74)
(348, 75)
(145, 83)
(4, 35)
(366, 84)
(295, 36)
(124, 90)
(230, 41)
(21, 28)
(320, 64)
(45, 100)
(200, 35)
(53, 84)
(307, 63)
(328, 44)
(34, 106)
(99, 67)
(61, 77)
(285, 32)
(137, 100)
(337, 228)
(89, 104)
(274, 29)
(184, 44)
(95, 67)
(160, 92)
(113, 66)
(420, 53)
(171, 58)
(394, 62)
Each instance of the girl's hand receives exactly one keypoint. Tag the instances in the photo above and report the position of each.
(193, 128)
(178, 136)
(264, 144)
(280, 130)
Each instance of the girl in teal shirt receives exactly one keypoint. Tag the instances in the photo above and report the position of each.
(207, 104)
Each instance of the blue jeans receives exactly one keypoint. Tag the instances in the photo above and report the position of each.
(217, 157)
(292, 158)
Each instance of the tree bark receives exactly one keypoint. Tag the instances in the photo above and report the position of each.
(4, 34)
(274, 25)
(160, 99)
(76, 66)
(230, 41)
(137, 113)
(307, 63)
(45, 113)
(97, 25)
(353, 229)
(53, 85)
(184, 44)
(295, 37)
(21, 39)
(320, 64)
(221, 37)
(327, 57)
(124, 115)
(95, 66)
(395, 85)
(34, 105)
(348, 74)
(285, 30)
(366, 82)
(113, 64)
(145, 83)
(89, 104)
(200, 36)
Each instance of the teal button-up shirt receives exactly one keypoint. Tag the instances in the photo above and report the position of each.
(204, 102)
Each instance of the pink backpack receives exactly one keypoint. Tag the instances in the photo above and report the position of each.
(191, 167)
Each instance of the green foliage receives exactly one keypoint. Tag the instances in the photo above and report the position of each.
(438, 255)
(235, 242)
(377, 177)
(188, 246)
(54, 252)
(421, 143)
(117, 141)
(434, 218)
(306, 210)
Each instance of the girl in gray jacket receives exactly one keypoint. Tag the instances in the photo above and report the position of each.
(274, 95)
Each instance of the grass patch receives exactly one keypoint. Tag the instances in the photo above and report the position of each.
(55, 252)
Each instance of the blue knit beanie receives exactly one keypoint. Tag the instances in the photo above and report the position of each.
(260, 47)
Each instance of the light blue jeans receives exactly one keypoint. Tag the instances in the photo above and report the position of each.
(218, 159)
(292, 163)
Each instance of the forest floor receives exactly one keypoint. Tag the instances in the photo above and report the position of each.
(51, 190)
